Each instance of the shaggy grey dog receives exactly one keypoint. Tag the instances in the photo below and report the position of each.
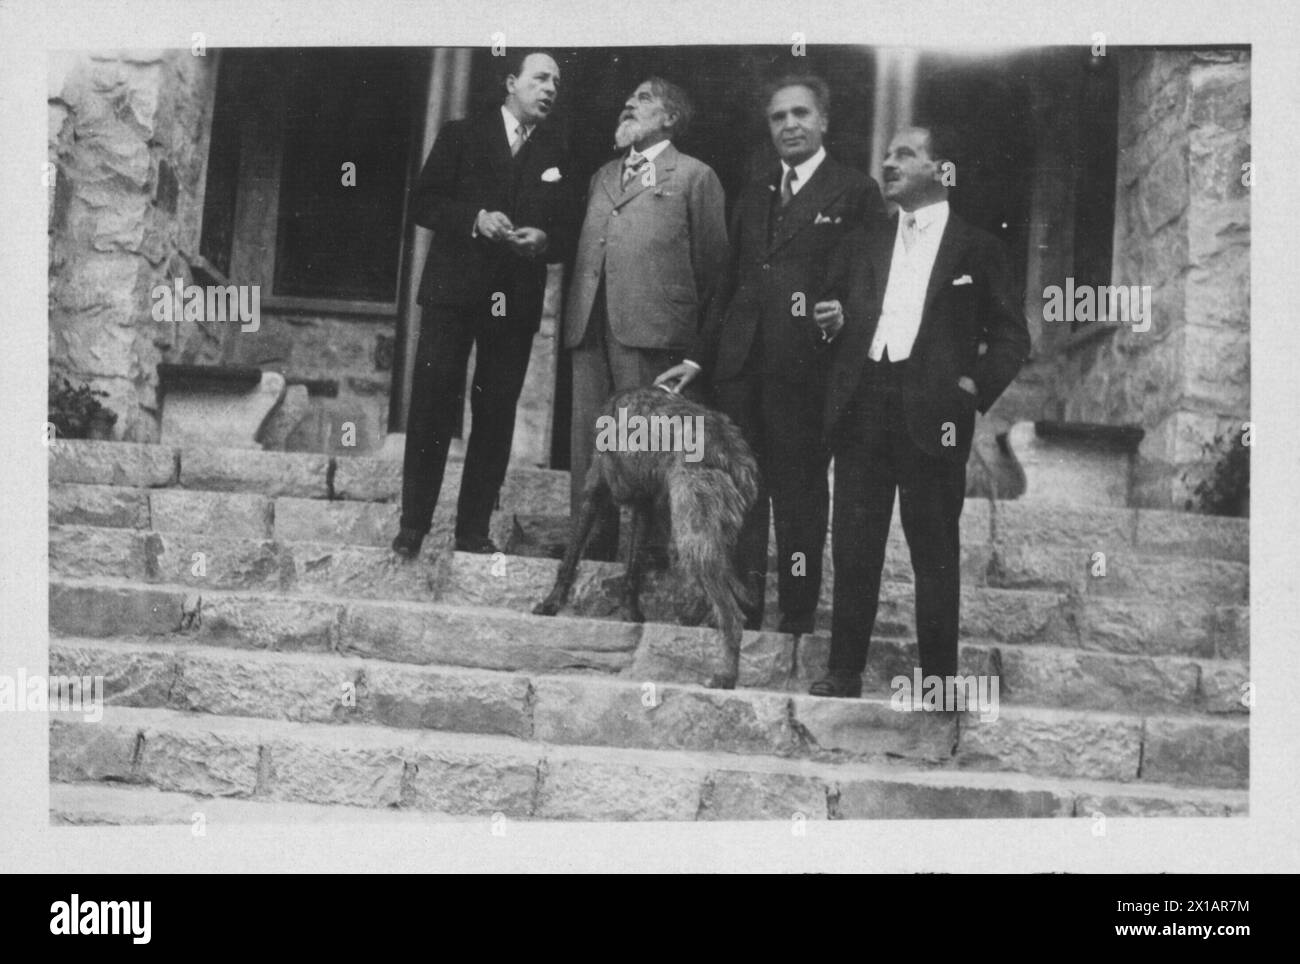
(708, 478)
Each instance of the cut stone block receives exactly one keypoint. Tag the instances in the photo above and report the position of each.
(99, 505)
(270, 474)
(112, 463)
(223, 416)
(229, 515)
(1070, 466)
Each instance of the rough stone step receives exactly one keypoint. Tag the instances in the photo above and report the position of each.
(1133, 625)
(1115, 571)
(114, 804)
(209, 519)
(545, 492)
(654, 715)
(296, 474)
(495, 638)
(482, 775)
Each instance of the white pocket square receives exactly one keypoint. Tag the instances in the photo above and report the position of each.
(823, 219)
(963, 280)
(551, 175)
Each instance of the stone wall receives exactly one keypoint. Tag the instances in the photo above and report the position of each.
(1182, 226)
(357, 353)
(128, 145)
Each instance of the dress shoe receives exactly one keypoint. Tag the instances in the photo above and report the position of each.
(478, 544)
(842, 686)
(797, 625)
(407, 544)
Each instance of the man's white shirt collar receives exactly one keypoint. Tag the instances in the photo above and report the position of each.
(512, 125)
(931, 215)
(651, 152)
(804, 170)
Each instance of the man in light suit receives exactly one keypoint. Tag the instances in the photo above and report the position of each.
(762, 349)
(651, 253)
(931, 330)
(493, 192)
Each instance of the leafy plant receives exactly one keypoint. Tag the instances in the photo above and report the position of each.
(1226, 490)
(77, 412)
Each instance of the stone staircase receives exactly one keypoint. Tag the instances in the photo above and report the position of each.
(266, 658)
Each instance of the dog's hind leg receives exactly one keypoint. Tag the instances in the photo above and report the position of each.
(719, 586)
(705, 545)
(596, 497)
(631, 606)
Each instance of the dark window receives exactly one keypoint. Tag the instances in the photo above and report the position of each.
(223, 171)
(1094, 210)
(333, 240)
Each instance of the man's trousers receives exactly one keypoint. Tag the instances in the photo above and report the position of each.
(782, 422)
(874, 456)
(602, 365)
(502, 349)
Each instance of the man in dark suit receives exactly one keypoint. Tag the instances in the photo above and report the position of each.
(931, 330)
(761, 349)
(649, 260)
(493, 192)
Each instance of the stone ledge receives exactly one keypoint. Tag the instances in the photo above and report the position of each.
(112, 463)
(306, 762)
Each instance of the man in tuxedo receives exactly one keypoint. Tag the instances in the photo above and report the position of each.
(493, 192)
(651, 253)
(931, 330)
(761, 348)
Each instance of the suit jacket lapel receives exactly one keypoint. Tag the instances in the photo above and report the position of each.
(882, 258)
(823, 188)
(611, 174)
(498, 145)
(945, 260)
(951, 246)
(663, 166)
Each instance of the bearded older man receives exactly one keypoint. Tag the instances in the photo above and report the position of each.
(651, 255)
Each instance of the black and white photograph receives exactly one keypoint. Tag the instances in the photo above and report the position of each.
(534, 425)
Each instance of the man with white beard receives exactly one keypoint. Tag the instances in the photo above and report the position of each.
(652, 253)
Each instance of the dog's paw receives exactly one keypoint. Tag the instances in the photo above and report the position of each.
(547, 607)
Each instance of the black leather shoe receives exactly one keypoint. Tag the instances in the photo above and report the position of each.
(800, 625)
(407, 544)
(847, 687)
(479, 544)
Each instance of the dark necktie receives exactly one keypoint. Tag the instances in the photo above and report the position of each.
(521, 137)
(787, 185)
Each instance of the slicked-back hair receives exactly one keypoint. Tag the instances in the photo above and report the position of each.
(942, 140)
(815, 85)
(514, 62)
(676, 102)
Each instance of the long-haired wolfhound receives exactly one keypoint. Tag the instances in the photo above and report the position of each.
(696, 459)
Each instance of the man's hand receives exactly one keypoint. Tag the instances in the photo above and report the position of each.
(829, 316)
(683, 374)
(527, 242)
(493, 225)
